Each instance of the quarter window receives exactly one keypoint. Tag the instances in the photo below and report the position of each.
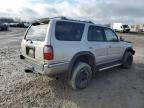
(69, 31)
(95, 33)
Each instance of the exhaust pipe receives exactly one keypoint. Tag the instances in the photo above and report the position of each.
(22, 57)
(28, 71)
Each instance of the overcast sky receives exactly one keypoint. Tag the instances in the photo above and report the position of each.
(99, 11)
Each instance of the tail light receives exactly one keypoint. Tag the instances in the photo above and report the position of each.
(48, 52)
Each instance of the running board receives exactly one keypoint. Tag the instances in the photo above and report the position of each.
(108, 65)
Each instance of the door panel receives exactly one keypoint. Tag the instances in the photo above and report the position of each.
(99, 49)
(115, 51)
(115, 47)
(97, 44)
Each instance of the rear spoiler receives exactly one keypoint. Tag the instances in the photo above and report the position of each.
(42, 20)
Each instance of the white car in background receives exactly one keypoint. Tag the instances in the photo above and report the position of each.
(120, 27)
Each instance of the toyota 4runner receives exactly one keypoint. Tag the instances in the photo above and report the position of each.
(76, 48)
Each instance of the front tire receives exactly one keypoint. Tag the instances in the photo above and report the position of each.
(81, 77)
(127, 60)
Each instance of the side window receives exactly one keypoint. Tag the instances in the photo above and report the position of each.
(110, 35)
(69, 31)
(95, 33)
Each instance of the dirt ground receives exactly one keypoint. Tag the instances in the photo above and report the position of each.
(113, 88)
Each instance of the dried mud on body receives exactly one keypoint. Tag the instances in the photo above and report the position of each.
(113, 88)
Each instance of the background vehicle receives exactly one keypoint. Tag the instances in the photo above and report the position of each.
(3, 26)
(20, 24)
(120, 27)
(75, 48)
(26, 25)
(13, 24)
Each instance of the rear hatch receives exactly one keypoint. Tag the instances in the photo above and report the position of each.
(33, 44)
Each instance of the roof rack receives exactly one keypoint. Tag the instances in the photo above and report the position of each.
(61, 17)
(41, 20)
(64, 18)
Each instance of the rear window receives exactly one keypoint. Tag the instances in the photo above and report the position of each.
(95, 33)
(37, 32)
(69, 31)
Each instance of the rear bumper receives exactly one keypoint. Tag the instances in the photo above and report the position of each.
(53, 69)
(48, 69)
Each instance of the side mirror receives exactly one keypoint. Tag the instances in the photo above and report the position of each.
(121, 38)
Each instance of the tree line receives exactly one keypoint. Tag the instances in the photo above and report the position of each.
(10, 20)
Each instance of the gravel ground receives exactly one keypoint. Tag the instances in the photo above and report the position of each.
(113, 88)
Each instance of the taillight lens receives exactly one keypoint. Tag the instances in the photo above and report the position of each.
(48, 52)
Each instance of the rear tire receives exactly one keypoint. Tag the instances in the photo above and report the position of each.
(127, 60)
(81, 77)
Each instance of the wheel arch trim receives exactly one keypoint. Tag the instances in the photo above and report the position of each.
(130, 49)
(75, 57)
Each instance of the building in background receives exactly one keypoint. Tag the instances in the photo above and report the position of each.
(137, 27)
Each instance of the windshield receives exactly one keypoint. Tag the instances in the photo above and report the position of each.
(125, 26)
(37, 32)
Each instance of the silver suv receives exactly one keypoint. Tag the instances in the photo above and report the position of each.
(76, 49)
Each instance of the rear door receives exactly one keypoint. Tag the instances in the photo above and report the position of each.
(33, 43)
(97, 43)
(67, 40)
